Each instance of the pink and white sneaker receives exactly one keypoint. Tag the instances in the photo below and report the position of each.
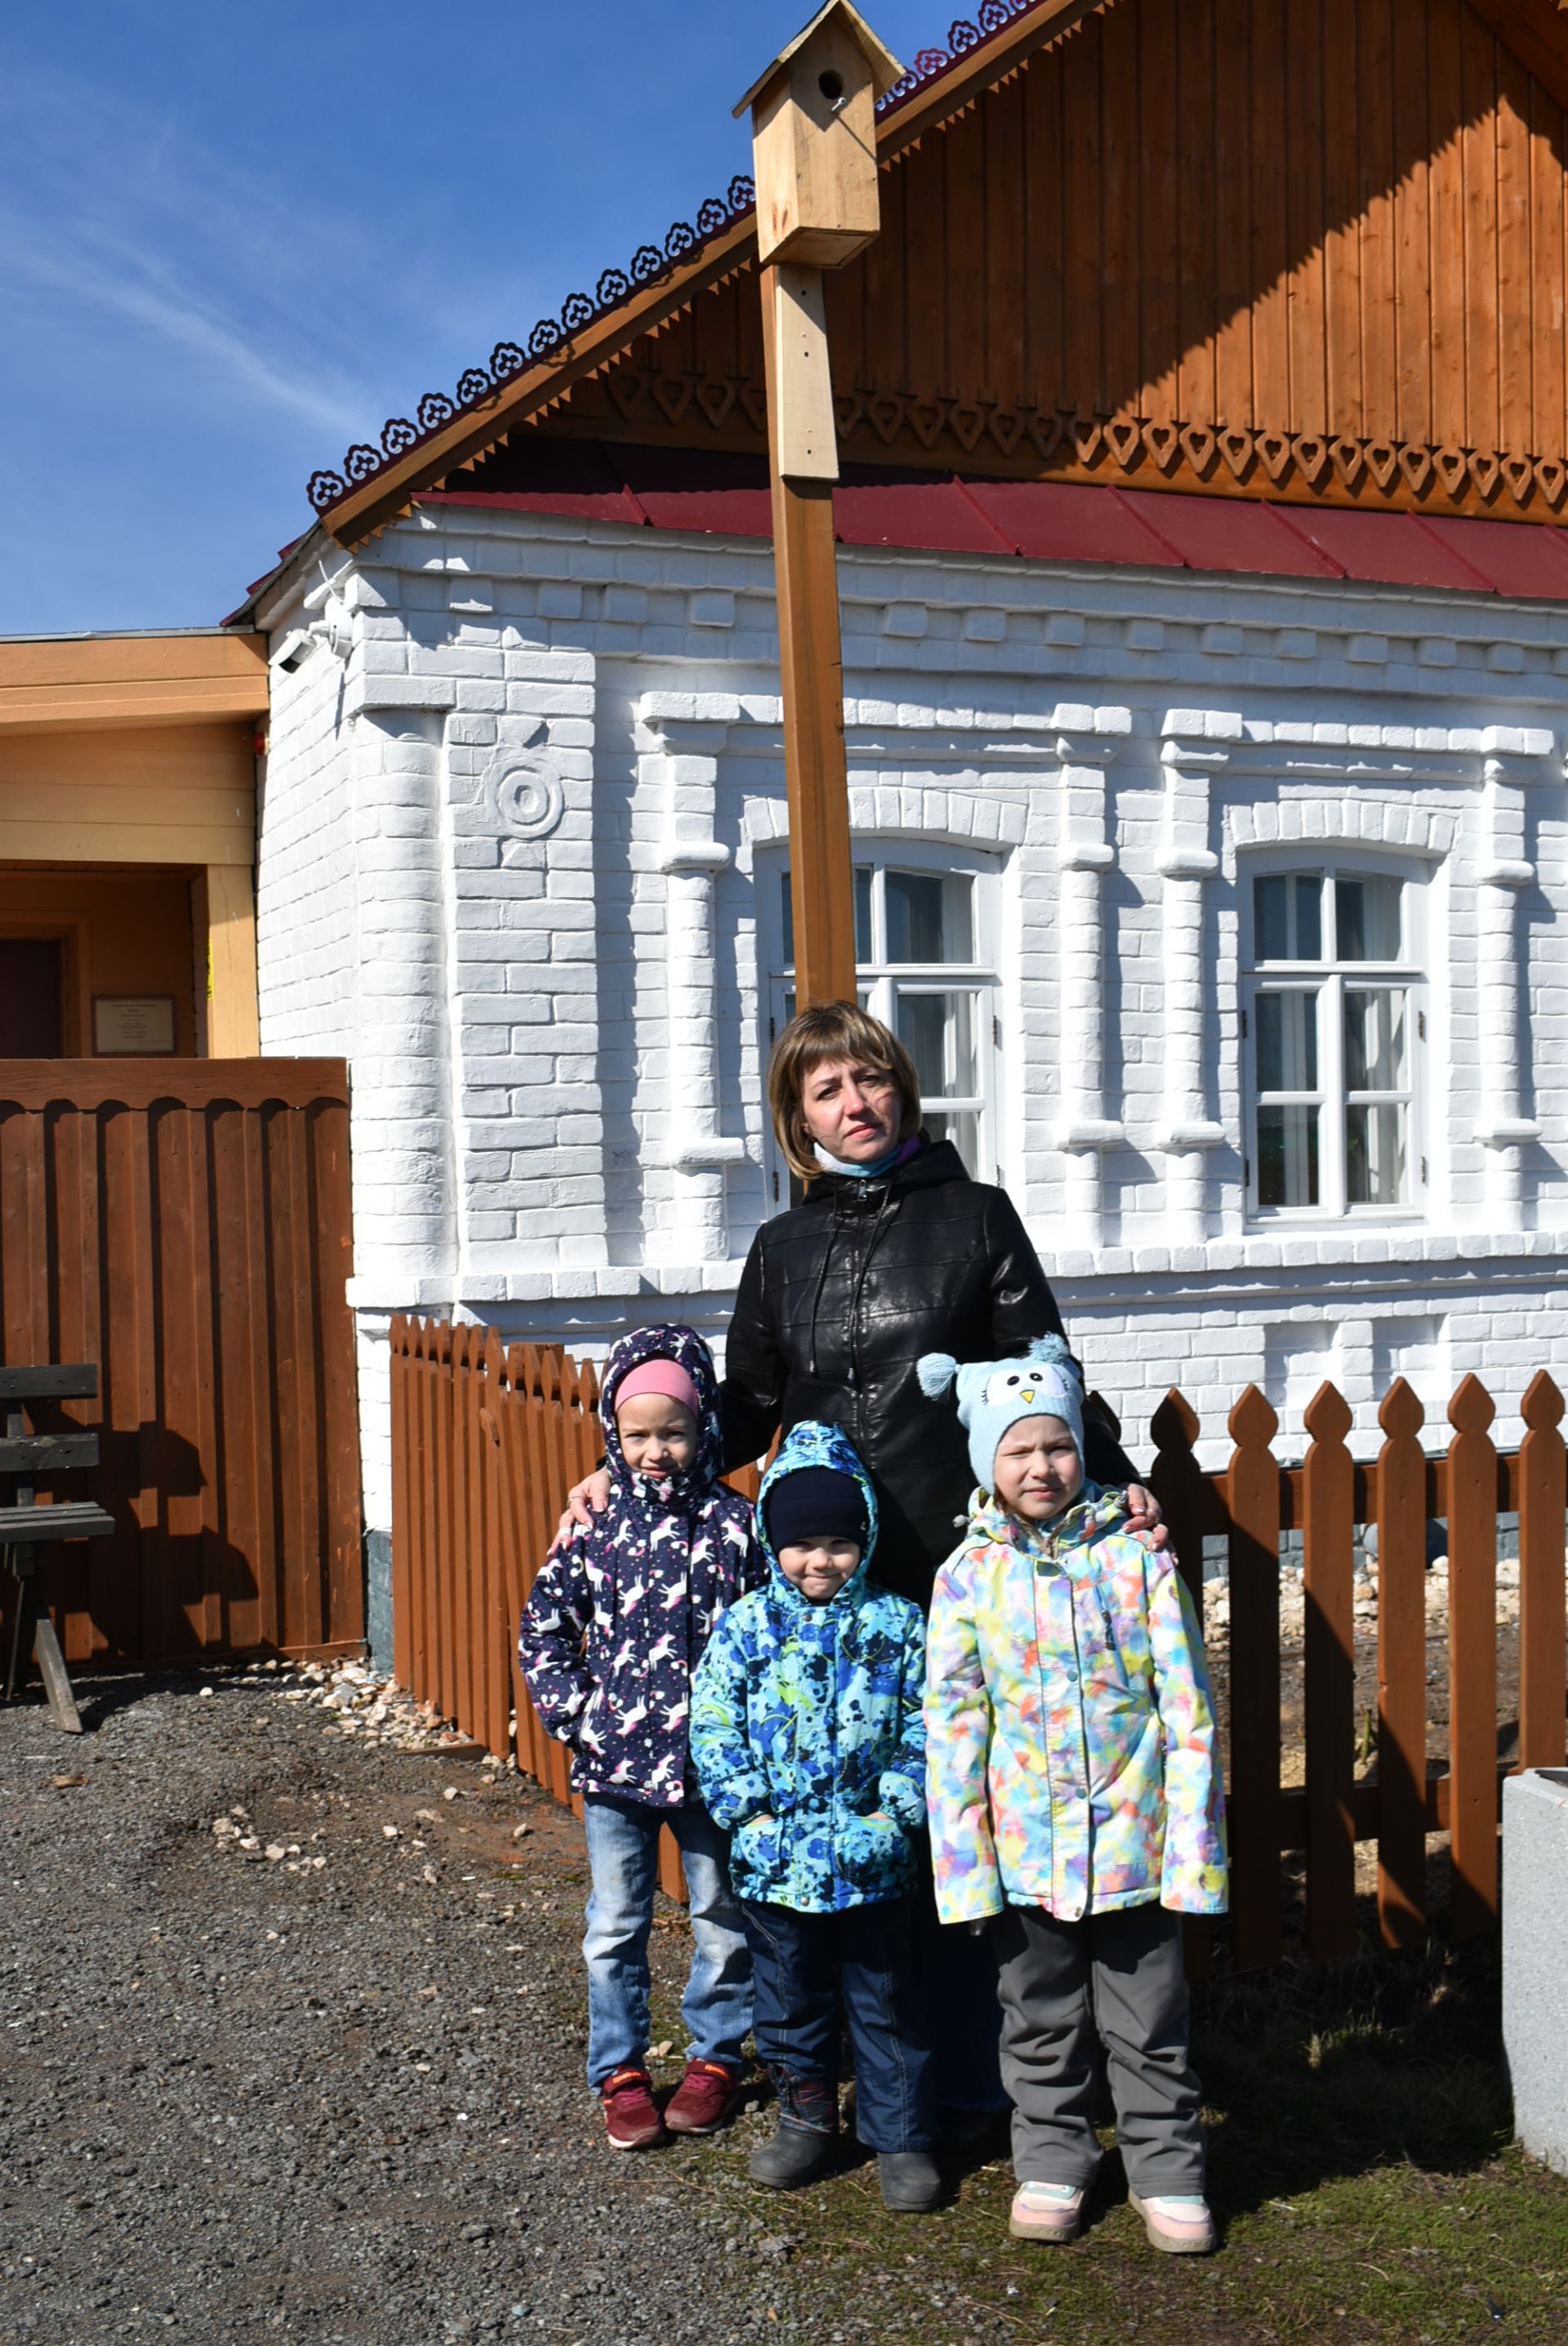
(1053, 2212)
(1179, 2225)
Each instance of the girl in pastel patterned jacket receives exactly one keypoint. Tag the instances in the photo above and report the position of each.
(1075, 1797)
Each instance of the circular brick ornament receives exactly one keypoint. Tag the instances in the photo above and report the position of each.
(529, 800)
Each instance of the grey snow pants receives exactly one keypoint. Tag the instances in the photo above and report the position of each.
(1118, 1978)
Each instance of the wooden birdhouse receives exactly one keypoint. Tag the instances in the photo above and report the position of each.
(814, 140)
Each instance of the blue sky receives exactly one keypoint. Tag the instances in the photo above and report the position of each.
(234, 240)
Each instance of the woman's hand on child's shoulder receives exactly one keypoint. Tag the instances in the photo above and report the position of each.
(585, 1500)
(1145, 1519)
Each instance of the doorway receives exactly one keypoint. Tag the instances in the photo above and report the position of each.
(32, 998)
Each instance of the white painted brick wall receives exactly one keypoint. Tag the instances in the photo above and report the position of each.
(466, 885)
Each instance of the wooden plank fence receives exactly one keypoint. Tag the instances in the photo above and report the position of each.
(185, 1225)
(487, 1438)
(1325, 1498)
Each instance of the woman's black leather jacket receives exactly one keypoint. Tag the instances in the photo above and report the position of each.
(839, 1299)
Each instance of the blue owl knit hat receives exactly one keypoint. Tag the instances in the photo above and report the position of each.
(994, 1395)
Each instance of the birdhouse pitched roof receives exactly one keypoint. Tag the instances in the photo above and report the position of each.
(1166, 245)
(885, 68)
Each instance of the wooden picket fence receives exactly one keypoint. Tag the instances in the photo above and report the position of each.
(488, 1438)
(1325, 1498)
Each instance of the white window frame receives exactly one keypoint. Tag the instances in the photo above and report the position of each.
(1329, 977)
(881, 980)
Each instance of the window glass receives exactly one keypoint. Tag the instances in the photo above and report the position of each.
(1288, 1042)
(1374, 1039)
(1332, 1066)
(862, 912)
(937, 1030)
(1375, 1154)
(962, 1131)
(1288, 916)
(1288, 1156)
(930, 917)
(914, 928)
(1367, 920)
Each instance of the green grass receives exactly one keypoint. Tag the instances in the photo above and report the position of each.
(1363, 2169)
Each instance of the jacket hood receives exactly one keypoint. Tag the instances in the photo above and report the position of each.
(1094, 1512)
(813, 1444)
(688, 1349)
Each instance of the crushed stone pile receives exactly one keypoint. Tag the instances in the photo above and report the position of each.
(366, 1707)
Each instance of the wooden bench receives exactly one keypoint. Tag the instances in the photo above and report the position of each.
(28, 1527)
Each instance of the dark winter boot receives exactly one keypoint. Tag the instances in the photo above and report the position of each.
(910, 2181)
(806, 2142)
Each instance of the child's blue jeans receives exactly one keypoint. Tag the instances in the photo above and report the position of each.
(623, 1859)
(865, 1954)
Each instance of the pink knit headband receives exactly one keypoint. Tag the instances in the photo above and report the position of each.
(665, 1377)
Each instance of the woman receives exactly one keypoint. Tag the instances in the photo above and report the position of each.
(895, 1251)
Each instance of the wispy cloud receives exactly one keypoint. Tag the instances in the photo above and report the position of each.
(111, 212)
(119, 279)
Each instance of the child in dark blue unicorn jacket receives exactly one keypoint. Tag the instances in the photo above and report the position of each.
(614, 1627)
(809, 1742)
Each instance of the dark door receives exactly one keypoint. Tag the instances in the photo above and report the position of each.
(31, 992)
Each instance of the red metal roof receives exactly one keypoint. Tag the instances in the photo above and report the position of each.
(1039, 521)
(1064, 522)
(1228, 534)
(1412, 554)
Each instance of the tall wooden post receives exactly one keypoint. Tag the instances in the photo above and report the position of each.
(814, 144)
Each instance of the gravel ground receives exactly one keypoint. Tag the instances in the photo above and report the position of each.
(319, 2071)
(336, 2090)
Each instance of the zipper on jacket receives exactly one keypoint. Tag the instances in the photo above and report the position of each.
(883, 1203)
(1107, 1623)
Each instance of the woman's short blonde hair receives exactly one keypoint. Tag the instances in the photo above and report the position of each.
(828, 1031)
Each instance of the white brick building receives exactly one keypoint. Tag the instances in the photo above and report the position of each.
(522, 846)
(1224, 901)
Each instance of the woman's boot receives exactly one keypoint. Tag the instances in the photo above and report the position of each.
(806, 2141)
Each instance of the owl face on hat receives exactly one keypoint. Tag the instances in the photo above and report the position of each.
(992, 1395)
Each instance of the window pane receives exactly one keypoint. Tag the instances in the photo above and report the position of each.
(937, 1030)
(1368, 918)
(1287, 1042)
(962, 1131)
(1374, 1040)
(1307, 891)
(862, 912)
(930, 916)
(1271, 918)
(1287, 1157)
(788, 917)
(1288, 916)
(1375, 1155)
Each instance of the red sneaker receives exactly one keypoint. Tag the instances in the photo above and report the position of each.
(705, 2098)
(631, 2114)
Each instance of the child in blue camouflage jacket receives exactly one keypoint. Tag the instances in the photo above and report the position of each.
(807, 1741)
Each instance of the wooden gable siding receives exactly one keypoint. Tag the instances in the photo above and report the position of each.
(1300, 249)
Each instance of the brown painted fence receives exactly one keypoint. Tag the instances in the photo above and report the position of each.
(185, 1224)
(487, 1438)
(1325, 1498)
